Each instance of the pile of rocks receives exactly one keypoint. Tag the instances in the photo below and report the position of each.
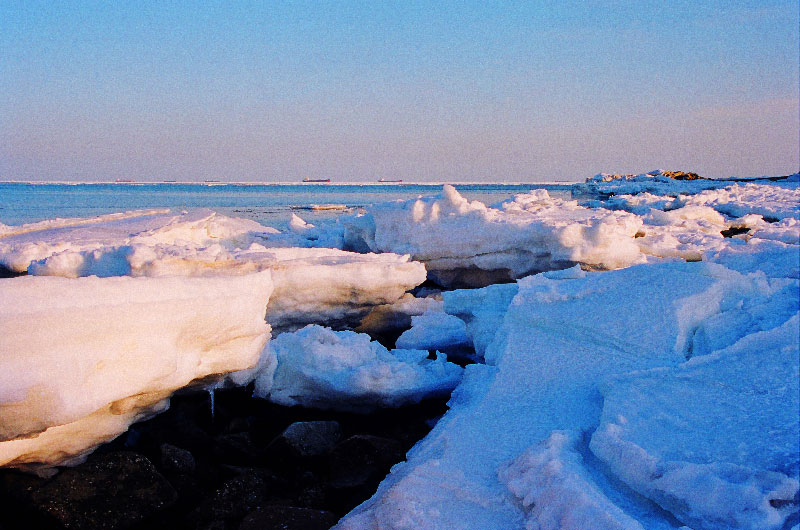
(251, 464)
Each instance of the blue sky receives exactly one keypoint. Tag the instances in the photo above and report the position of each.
(458, 91)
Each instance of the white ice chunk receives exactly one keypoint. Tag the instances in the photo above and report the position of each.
(714, 440)
(321, 368)
(468, 243)
(87, 240)
(83, 358)
(482, 309)
(434, 330)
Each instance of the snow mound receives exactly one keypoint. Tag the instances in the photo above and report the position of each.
(110, 351)
(714, 441)
(466, 243)
(321, 368)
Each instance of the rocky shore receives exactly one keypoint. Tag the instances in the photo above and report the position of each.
(252, 464)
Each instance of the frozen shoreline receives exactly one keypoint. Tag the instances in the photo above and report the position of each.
(552, 360)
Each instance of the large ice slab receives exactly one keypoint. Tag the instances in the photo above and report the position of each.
(84, 358)
(714, 441)
(467, 243)
(321, 368)
(101, 245)
(312, 285)
(558, 339)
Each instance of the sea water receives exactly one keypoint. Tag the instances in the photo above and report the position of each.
(269, 204)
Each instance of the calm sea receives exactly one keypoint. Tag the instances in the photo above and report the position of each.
(270, 204)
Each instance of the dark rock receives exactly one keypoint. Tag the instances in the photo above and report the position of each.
(362, 459)
(238, 448)
(239, 495)
(305, 439)
(5, 272)
(16, 505)
(111, 491)
(240, 425)
(682, 175)
(288, 518)
(734, 231)
(176, 460)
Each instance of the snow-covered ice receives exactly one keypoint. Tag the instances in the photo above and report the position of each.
(658, 395)
(558, 340)
(469, 244)
(321, 368)
(312, 285)
(557, 492)
(715, 440)
(84, 358)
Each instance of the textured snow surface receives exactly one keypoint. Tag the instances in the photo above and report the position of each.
(714, 440)
(512, 452)
(557, 492)
(84, 358)
(321, 368)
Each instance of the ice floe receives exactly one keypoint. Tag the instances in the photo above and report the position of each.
(466, 243)
(84, 358)
(321, 368)
(321, 285)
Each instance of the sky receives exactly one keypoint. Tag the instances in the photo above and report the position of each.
(422, 91)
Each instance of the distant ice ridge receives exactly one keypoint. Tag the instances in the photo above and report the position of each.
(321, 368)
(514, 451)
(84, 358)
(661, 182)
(312, 285)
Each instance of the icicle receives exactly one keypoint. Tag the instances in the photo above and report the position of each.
(211, 400)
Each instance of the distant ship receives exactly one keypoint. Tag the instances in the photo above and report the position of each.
(387, 181)
(318, 181)
(123, 181)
